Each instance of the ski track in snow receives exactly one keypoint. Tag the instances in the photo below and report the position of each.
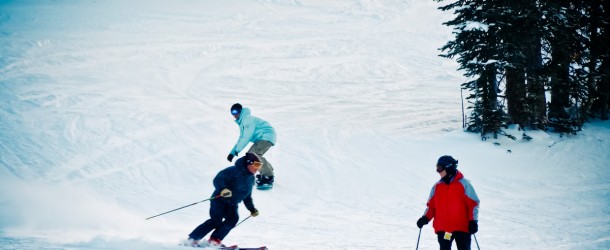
(114, 111)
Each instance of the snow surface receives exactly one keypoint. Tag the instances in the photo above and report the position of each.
(113, 111)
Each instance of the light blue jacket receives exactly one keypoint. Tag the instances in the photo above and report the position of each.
(252, 129)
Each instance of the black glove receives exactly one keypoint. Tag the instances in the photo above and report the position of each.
(473, 227)
(230, 157)
(422, 221)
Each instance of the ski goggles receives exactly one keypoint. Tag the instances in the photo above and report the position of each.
(254, 163)
(234, 112)
(439, 169)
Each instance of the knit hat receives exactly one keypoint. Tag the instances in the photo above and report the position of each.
(236, 109)
(251, 158)
(448, 163)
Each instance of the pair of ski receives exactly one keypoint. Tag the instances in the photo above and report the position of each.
(243, 248)
(234, 247)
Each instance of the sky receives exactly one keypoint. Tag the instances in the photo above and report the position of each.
(114, 111)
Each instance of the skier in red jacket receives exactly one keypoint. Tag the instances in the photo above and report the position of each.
(454, 206)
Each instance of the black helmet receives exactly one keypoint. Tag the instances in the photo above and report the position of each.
(251, 158)
(448, 163)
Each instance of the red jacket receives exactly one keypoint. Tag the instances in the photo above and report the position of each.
(452, 205)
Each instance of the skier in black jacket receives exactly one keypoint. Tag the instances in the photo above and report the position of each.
(234, 185)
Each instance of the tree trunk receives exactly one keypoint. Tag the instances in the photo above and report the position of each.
(596, 46)
(560, 77)
(604, 88)
(602, 12)
(516, 96)
(535, 83)
(491, 122)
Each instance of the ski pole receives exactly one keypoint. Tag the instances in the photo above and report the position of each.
(243, 220)
(417, 247)
(217, 196)
(475, 240)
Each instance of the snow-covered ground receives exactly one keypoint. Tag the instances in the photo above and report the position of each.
(113, 111)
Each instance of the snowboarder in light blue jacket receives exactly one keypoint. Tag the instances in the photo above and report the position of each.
(260, 133)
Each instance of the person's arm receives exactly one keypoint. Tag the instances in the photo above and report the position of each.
(246, 130)
(249, 203)
(221, 181)
(431, 204)
(472, 200)
(430, 209)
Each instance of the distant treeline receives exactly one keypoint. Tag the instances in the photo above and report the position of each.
(541, 64)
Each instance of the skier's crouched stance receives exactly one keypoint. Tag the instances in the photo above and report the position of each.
(234, 185)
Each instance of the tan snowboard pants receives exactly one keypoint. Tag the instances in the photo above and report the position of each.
(260, 148)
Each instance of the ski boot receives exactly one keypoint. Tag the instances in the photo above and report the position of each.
(191, 243)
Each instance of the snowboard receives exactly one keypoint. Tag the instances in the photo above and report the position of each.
(264, 187)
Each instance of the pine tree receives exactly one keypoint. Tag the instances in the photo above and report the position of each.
(524, 78)
(477, 52)
(566, 77)
(534, 48)
(578, 45)
(597, 14)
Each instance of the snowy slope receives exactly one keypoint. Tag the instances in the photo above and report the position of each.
(114, 111)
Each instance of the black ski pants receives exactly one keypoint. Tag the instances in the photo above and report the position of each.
(223, 217)
(462, 241)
